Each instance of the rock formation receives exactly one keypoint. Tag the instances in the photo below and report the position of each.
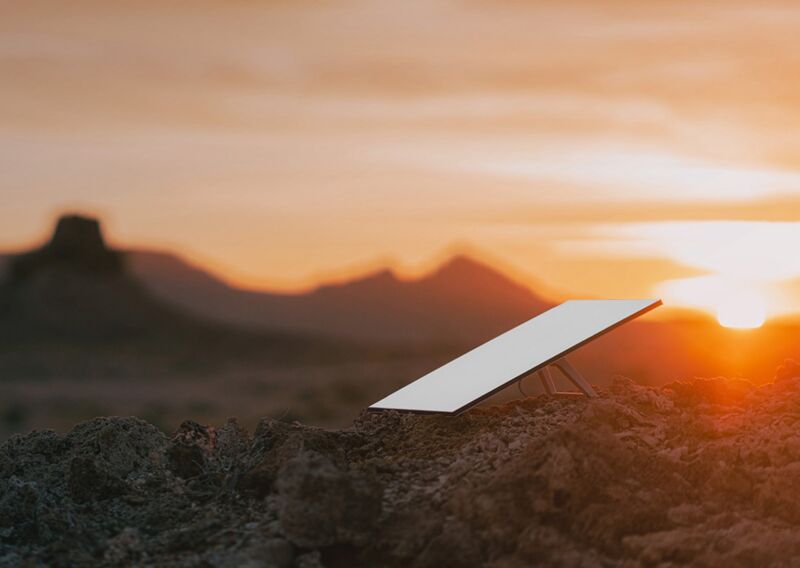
(77, 244)
(703, 472)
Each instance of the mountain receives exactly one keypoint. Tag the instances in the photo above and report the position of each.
(4, 261)
(75, 290)
(73, 304)
(463, 301)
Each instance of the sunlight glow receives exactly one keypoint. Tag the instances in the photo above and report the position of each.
(737, 249)
(743, 315)
(751, 276)
(736, 304)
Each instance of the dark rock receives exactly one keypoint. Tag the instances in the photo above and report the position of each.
(321, 504)
(19, 507)
(126, 547)
(700, 473)
(189, 449)
(87, 480)
(275, 443)
(271, 553)
(124, 448)
(454, 546)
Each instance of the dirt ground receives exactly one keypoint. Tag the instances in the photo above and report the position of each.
(704, 472)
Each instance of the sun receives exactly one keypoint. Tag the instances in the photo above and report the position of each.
(740, 313)
(736, 303)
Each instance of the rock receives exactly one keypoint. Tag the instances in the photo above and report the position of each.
(454, 546)
(321, 505)
(310, 560)
(700, 472)
(271, 553)
(20, 502)
(275, 443)
(108, 454)
(189, 449)
(789, 369)
(87, 479)
(125, 547)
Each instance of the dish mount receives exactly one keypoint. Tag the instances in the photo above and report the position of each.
(570, 372)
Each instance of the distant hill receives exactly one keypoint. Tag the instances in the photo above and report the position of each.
(4, 258)
(463, 301)
(134, 304)
(73, 304)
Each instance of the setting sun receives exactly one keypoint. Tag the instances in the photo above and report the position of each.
(735, 303)
(740, 314)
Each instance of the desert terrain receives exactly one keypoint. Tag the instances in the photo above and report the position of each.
(700, 472)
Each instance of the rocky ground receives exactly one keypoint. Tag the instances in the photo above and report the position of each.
(705, 472)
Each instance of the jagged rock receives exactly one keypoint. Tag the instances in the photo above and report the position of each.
(275, 443)
(321, 505)
(699, 472)
(271, 553)
(189, 448)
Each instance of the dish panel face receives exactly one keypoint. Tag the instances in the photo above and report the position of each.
(524, 349)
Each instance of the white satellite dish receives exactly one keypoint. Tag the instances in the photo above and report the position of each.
(529, 347)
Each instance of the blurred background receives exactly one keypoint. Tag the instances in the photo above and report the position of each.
(289, 209)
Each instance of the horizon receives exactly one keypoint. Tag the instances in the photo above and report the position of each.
(623, 151)
(406, 274)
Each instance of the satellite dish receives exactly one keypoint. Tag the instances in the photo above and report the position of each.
(530, 347)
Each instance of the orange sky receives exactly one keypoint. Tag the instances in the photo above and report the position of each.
(601, 148)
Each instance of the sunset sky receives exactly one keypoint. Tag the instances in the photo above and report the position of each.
(593, 148)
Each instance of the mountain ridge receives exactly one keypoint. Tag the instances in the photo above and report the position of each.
(462, 300)
(72, 303)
